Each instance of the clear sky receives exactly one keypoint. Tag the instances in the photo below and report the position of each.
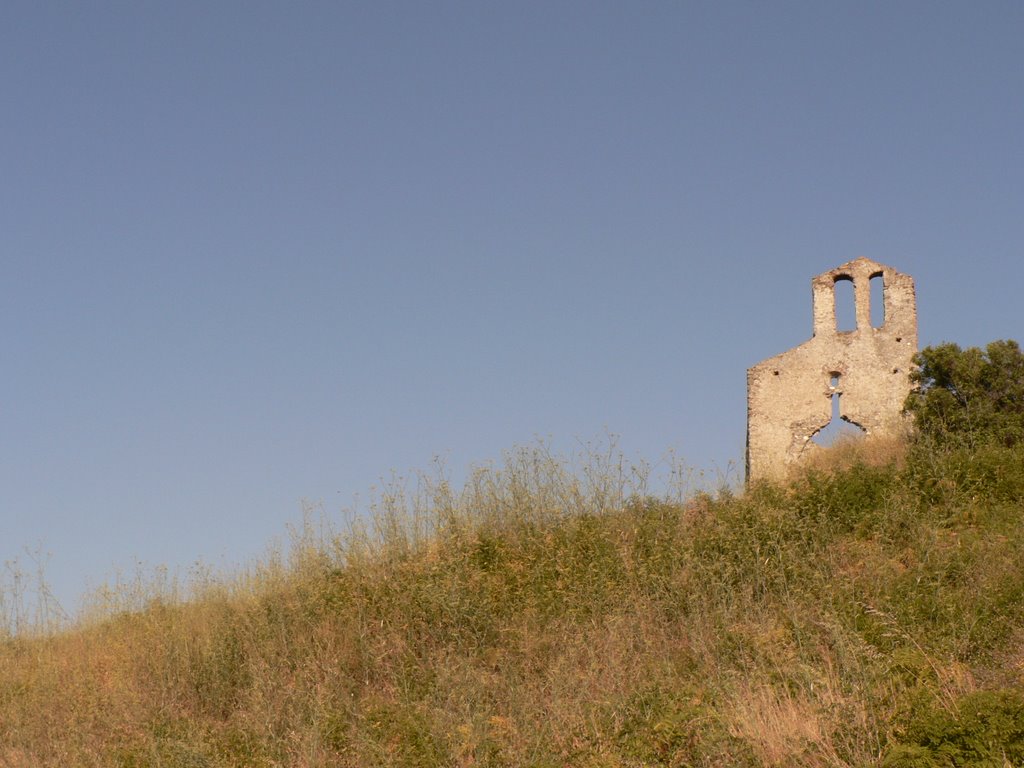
(259, 252)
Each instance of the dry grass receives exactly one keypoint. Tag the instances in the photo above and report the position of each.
(851, 450)
(551, 614)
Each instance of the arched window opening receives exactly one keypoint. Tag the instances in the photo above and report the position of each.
(877, 300)
(846, 304)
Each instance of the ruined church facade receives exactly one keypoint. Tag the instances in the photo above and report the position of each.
(790, 396)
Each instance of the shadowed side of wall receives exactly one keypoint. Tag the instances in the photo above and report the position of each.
(790, 396)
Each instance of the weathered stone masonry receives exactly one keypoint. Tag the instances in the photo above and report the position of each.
(789, 396)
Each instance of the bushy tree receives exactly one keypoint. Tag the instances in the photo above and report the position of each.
(969, 396)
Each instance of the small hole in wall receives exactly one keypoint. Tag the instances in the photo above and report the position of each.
(895, 370)
(775, 373)
(899, 339)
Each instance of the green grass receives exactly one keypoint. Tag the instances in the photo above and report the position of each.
(869, 612)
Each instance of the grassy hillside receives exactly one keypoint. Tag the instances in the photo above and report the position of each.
(869, 612)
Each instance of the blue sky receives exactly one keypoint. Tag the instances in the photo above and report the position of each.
(258, 253)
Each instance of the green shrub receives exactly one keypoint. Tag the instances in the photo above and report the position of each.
(845, 501)
(665, 726)
(403, 735)
(987, 731)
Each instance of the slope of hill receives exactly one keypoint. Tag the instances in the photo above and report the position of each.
(868, 612)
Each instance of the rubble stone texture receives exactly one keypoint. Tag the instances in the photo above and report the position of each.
(789, 396)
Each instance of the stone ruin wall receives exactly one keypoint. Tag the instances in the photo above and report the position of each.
(789, 396)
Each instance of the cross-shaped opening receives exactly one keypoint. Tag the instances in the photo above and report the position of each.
(838, 428)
